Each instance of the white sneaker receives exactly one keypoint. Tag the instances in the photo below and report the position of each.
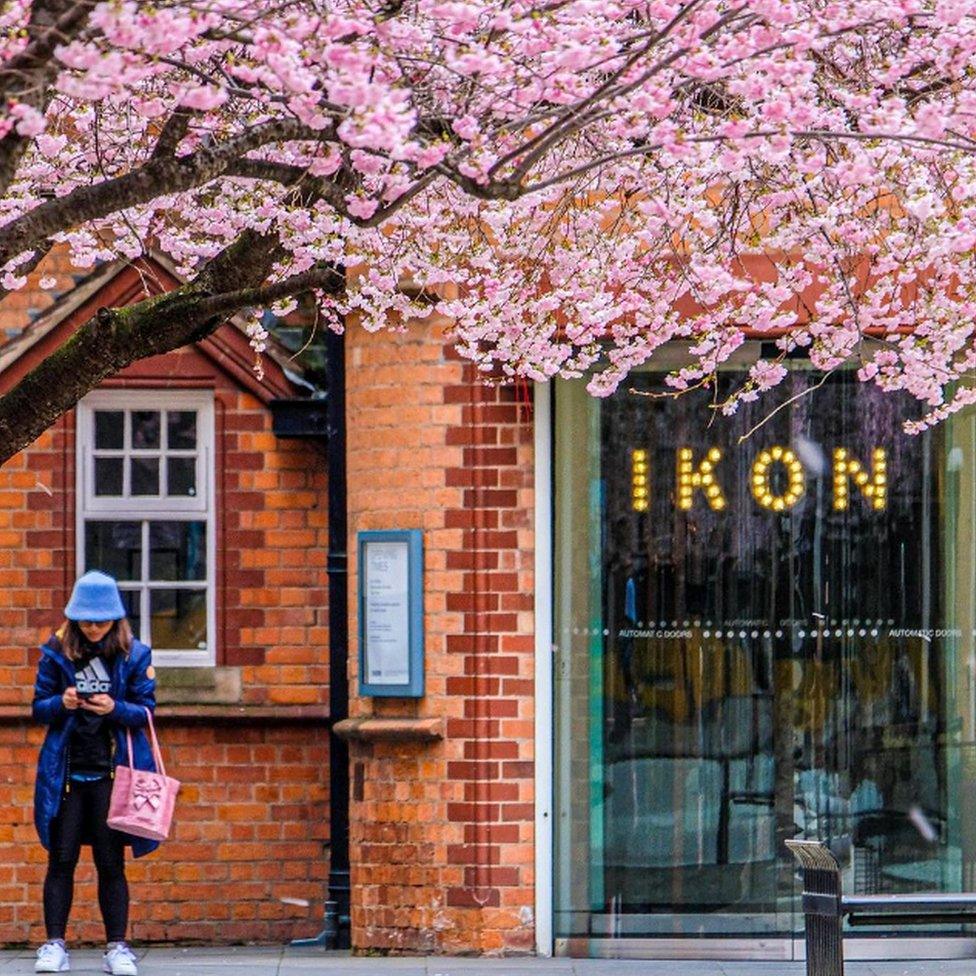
(52, 957)
(120, 961)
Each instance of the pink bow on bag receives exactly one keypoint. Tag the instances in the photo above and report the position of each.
(142, 802)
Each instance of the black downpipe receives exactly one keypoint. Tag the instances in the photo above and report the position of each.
(324, 421)
(338, 573)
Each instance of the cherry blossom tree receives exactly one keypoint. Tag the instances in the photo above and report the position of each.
(573, 182)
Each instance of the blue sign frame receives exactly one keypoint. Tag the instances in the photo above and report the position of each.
(391, 613)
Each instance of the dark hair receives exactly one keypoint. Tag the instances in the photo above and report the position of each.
(117, 641)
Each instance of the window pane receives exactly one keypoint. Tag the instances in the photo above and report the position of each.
(181, 475)
(130, 600)
(182, 432)
(145, 476)
(114, 548)
(145, 428)
(177, 550)
(108, 476)
(179, 619)
(109, 429)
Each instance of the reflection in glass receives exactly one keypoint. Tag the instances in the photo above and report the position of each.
(114, 548)
(145, 476)
(145, 429)
(755, 644)
(109, 430)
(181, 430)
(177, 550)
(131, 602)
(108, 476)
(179, 619)
(181, 476)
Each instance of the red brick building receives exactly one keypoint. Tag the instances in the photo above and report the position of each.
(169, 477)
(654, 647)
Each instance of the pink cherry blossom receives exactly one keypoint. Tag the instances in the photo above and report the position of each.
(594, 179)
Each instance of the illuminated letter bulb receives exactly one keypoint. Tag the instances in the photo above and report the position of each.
(639, 493)
(761, 488)
(873, 486)
(691, 477)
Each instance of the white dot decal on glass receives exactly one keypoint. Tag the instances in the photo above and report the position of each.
(706, 633)
(755, 633)
(606, 633)
(779, 633)
(801, 633)
(874, 632)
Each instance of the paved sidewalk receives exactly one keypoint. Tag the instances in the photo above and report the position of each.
(246, 961)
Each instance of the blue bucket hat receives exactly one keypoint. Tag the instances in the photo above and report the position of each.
(95, 597)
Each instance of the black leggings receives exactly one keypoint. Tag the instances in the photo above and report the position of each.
(83, 816)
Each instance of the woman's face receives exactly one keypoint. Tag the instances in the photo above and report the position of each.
(95, 630)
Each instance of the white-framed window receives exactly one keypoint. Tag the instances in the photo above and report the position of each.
(146, 513)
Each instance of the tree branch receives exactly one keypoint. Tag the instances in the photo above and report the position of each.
(28, 77)
(157, 177)
(116, 337)
(174, 129)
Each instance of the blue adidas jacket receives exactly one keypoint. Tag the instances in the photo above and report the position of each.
(133, 688)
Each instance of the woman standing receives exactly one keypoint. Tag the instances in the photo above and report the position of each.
(94, 680)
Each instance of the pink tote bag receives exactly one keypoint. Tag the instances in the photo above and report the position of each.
(142, 802)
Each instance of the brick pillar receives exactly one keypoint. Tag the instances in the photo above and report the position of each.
(442, 832)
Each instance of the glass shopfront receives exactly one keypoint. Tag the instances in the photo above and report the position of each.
(764, 629)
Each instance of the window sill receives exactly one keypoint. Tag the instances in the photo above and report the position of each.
(197, 686)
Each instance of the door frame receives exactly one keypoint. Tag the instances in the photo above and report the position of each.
(544, 649)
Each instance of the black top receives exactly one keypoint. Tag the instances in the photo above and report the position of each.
(90, 750)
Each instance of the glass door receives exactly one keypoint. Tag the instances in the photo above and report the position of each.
(764, 629)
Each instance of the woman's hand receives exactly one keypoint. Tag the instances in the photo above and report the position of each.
(70, 698)
(99, 704)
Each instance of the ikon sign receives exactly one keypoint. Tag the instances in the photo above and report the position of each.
(698, 478)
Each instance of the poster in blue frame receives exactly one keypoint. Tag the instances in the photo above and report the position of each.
(391, 613)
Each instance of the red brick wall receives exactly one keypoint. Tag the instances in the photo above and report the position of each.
(442, 834)
(252, 820)
(250, 826)
(20, 307)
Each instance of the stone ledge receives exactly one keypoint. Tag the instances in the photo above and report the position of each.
(198, 686)
(370, 729)
(230, 714)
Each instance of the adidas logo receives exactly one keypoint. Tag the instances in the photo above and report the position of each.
(93, 679)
